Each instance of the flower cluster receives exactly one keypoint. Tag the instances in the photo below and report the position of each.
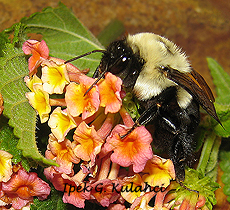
(95, 163)
(18, 187)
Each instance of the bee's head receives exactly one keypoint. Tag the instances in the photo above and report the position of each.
(116, 58)
(120, 60)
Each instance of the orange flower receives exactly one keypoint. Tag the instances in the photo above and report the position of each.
(90, 142)
(54, 76)
(77, 103)
(23, 186)
(106, 191)
(38, 50)
(63, 153)
(133, 187)
(159, 172)
(61, 123)
(110, 89)
(134, 149)
(39, 100)
(5, 166)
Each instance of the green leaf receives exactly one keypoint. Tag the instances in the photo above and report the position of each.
(196, 180)
(8, 143)
(221, 79)
(53, 202)
(225, 167)
(65, 35)
(113, 30)
(224, 115)
(22, 117)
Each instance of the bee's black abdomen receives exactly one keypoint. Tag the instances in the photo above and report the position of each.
(174, 134)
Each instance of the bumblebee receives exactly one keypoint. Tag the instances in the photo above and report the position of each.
(169, 90)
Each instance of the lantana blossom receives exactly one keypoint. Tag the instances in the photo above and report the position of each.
(61, 123)
(134, 149)
(38, 50)
(79, 103)
(159, 171)
(31, 81)
(89, 142)
(39, 100)
(110, 93)
(62, 153)
(5, 166)
(54, 76)
(23, 186)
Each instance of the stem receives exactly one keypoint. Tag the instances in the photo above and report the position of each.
(57, 102)
(206, 152)
(114, 171)
(105, 167)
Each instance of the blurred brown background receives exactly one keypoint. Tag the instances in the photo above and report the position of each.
(200, 27)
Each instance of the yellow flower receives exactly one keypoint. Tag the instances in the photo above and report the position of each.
(61, 123)
(30, 82)
(39, 100)
(160, 172)
(54, 76)
(5, 166)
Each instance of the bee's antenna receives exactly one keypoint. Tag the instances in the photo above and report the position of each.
(97, 80)
(83, 55)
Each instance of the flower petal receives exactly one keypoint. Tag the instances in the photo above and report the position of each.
(39, 100)
(54, 76)
(5, 166)
(134, 149)
(77, 102)
(90, 142)
(110, 90)
(61, 123)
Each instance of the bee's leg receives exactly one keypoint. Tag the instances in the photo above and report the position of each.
(152, 108)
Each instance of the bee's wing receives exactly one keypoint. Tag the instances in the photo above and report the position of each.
(195, 84)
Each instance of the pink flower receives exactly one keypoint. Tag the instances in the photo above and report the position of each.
(38, 50)
(134, 149)
(23, 186)
(63, 153)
